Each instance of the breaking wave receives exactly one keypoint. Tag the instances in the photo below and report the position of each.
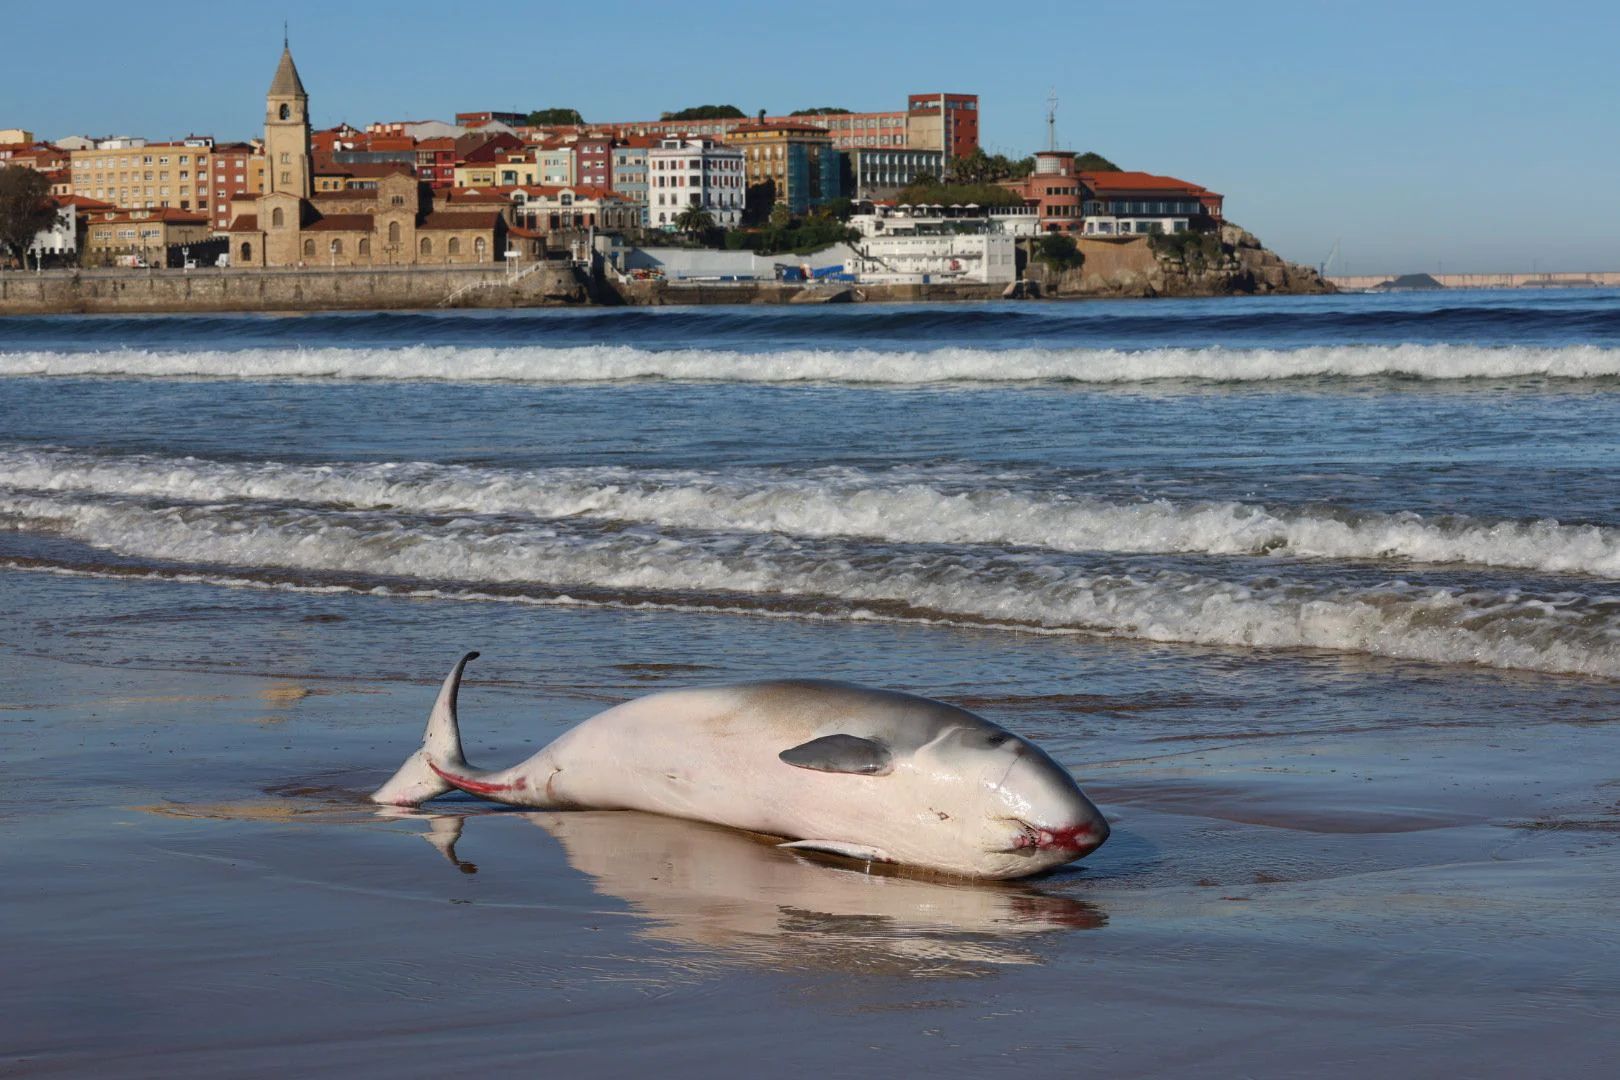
(909, 506)
(567, 562)
(611, 363)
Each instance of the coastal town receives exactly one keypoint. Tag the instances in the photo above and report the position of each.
(709, 194)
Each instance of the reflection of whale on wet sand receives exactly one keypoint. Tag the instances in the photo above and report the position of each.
(725, 892)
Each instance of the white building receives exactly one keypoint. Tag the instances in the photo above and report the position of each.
(61, 239)
(695, 172)
(909, 245)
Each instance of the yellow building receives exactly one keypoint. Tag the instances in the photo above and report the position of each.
(797, 160)
(506, 170)
(146, 176)
(139, 237)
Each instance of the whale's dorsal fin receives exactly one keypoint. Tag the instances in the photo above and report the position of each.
(841, 754)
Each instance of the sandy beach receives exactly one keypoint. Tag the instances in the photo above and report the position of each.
(196, 887)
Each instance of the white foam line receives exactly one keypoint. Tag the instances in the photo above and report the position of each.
(1564, 633)
(901, 506)
(612, 363)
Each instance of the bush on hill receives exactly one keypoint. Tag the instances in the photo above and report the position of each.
(705, 112)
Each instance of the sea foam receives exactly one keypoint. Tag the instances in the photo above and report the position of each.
(609, 363)
(909, 506)
(847, 579)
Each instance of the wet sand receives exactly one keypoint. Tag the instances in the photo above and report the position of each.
(195, 887)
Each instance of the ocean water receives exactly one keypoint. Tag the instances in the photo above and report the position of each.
(1318, 597)
(1414, 477)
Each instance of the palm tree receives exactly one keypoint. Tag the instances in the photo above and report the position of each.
(694, 221)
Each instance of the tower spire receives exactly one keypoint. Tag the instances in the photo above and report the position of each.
(1051, 119)
(284, 44)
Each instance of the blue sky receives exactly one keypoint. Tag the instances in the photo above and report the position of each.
(1421, 135)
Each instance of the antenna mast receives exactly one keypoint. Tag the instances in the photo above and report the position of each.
(1051, 119)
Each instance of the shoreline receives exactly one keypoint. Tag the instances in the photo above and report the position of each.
(1111, 271)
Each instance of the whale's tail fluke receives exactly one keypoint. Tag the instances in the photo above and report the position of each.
(420, 778)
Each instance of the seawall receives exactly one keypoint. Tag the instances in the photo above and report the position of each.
(110, 291)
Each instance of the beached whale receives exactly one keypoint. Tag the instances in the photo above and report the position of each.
(870, 774)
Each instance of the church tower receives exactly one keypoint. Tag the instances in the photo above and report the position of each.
(286, 132)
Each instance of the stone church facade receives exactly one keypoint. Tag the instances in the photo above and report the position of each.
(396, 223)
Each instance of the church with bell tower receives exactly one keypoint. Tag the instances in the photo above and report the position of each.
(392, 221)
(286, 131)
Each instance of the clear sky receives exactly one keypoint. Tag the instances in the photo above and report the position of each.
(1420, 134)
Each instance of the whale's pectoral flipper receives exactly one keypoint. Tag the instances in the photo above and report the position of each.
(838, 847)
(420, 778)
(841, 754)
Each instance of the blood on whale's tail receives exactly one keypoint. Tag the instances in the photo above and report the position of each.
(420, 778)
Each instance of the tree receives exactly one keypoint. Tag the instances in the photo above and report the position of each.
(981, 168)
(705, 112)
(1059, 252)
(820, 110)
(694, 220)
(1091, 161)
(928, 190)
(25, 208)
(542, 117)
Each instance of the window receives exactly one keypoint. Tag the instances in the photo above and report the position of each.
(393, 232)
(277, 218)
(285, 112)
(425, 247)
(454, 246)
(309, 247)
(365, 246)
(337, 247)
(247, 251)
(478, 248)
(286, 158)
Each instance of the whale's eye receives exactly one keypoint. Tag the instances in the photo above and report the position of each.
(996, 739)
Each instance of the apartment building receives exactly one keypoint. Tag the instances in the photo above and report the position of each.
(137, 174)
(797, 160)
(948, 122)
(235, 170)
(682, 173)
(880, 173)
(630, 171)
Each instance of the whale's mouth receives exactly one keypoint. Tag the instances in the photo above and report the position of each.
(1079, 839)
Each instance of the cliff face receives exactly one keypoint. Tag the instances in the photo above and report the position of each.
(1231, 263)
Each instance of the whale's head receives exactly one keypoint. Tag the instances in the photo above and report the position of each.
(932, 785)
(1020, 811)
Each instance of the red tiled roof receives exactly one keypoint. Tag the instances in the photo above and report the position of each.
(340, 223)
(1112, 182)
(245, 223)
(328, 167)
(468, 220)
(83, 202)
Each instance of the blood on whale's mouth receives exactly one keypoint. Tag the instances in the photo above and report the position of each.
(1080, 839)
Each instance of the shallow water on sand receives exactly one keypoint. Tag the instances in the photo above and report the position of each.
(1336, 652)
